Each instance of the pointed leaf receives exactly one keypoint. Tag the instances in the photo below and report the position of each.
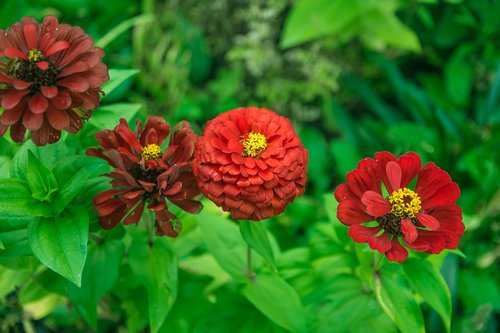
(61, 242)
(276, 299)
(15, 197)
(155, 266)
(116, 78)
(431, 286)
(397, 299)
(41, 180)
(255, 234)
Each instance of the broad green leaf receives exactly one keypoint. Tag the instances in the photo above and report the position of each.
(255, 234)
(276, 299)
(99, 276)
(12, 221)
(426, 281)
(397, 300)
(4, 167)
(10, 278)
(14, 243)
(116, 78)
(72, 174)
(16, 198)
(382, 23)
(61, 242)
(224, 242)
(459, 75)
(155, 266)
(48, 155)
(41, 180)
(311, 19)
(107, 116)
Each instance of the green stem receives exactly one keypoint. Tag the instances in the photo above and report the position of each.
(250, 272)
(378, 263)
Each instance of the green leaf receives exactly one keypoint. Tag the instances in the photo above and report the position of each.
(73, 174)
(48, 155)
(276, 299)
(12, 221)
(41, 180)
(4, 167)
(117, 77)
(397, 300)
(99, 275)
(312, 19)
(155, 266)
(459, 75)
(15, 197)
(224, 242)
(61, 242)
(10, 278)
(255, 234)
(426, 281)
(107, 115)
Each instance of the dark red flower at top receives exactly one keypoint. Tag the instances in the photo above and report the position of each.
(425, 217)
(145, 175)
(250, 162)
(50, 79)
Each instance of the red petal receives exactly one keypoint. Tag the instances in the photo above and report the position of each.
(359, 181)
(21, 85)
(108, 207)
(376, 204)
(428, 221)
(31, 35)
(62, 101)
(393, 171)
(38, 103)
(43, 65)
(430, 179)
(342, 193)
(56, 47)
(410, 166)
(75, 68)
(74, 83)
(174, 189)
(12, 98)
(397, 252)
(49, 92)
(14, 53)
(361, 233)
(134, 215)
(32, 121)
(11, 116)
(380, 243)
(409, 231)
(445, 195)
(58, 119)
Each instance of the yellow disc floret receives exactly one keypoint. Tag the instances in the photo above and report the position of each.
(254, 144)
(151, 152)
(34, 55)
(405, 203)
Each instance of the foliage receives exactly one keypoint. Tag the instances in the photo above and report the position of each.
(355, 77)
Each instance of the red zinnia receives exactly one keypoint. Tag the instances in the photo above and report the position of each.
(50, 79)
(426, 218)
(250, 162)
(143, 174)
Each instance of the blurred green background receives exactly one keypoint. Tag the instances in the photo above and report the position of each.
(354, 76)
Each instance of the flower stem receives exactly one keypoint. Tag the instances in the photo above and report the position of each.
(378, 262)
(250, 272)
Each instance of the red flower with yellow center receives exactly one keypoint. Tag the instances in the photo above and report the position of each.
(145, 175)
(250, 162)
(425, 218)
(50, 79)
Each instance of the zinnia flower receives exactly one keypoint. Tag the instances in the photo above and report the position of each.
(250, 162)
(50, 79)
(425, 217)
(145, 175)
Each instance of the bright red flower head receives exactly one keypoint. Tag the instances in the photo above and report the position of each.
(145, 175)
(50, 79)
(425, 216)
(250, 162)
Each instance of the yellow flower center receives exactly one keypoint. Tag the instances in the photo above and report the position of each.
(34, 55)
(254, 144)
(405, 203)
(151, 152)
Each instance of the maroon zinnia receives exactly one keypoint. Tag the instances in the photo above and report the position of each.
(426, 217)
(50, 79)
(144, 175)
(250, 162)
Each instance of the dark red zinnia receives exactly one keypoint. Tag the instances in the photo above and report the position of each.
(250, 162)
(145, 175)
(50, 79)
(426, 217)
